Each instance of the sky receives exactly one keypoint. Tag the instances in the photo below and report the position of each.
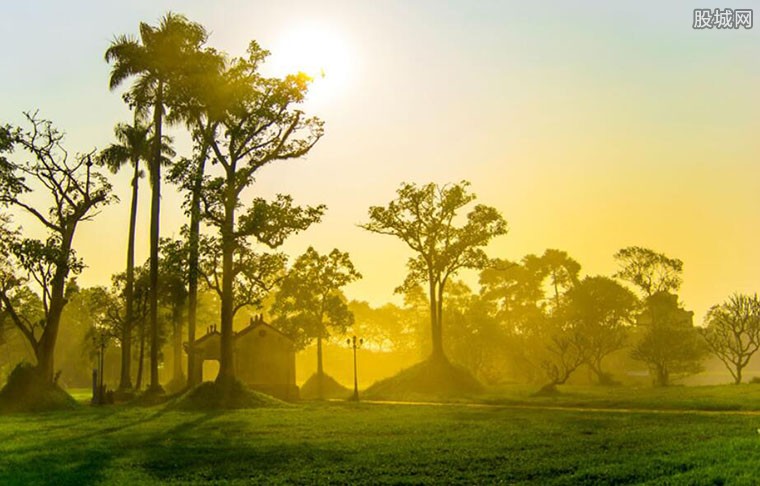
(591, 127)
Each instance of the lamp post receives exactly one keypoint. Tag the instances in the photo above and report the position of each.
(99, 340)
(355, 344)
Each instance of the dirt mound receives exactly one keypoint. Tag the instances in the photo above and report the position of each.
(28, 391)
(330, 388)
(212, 396)
(151, 397)
(430, 379)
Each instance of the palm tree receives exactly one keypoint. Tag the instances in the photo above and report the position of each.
(157, 59)
(133, 145)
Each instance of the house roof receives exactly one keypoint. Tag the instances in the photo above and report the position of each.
(255, 324)
(201, 340)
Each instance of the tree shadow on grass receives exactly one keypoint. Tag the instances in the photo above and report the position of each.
(63, 466)
(237, 461)
(81, 459)
(226, 451)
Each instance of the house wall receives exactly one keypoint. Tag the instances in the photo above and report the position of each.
(265, 361)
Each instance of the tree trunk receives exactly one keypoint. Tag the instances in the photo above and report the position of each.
(45, 351)
(439, 321)
(601, 377)
(155, 177)
(226, 363)
(738, 377)
(125, 382)
(662, 377)
(177, 377)
(140, 358)
(320, 370)
(193, 257)
(437, 342)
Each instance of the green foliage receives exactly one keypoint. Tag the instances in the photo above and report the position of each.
(516, 291)
(425, 219)
(162, 54)
(255, 274)
(599, 311)
(389, 327)
(648, 270)
(669, 344)
(475, 339)
(309, 303)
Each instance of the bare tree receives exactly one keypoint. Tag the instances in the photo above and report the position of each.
(733, 332)
(75, 193)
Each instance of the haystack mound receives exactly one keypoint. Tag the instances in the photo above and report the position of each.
(213, 396)
(428, 380)
(330, 388)
(28, 391)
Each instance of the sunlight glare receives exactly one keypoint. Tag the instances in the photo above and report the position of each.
(321, 53)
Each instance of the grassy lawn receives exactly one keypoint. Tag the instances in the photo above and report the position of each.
(350, 443)
(720, 397)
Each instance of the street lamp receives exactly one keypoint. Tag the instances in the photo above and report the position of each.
(100, 339)
(355, 344)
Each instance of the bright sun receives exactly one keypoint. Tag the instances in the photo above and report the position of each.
(319, 52)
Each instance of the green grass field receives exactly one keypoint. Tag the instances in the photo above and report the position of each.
(720, 398)
(388, 443)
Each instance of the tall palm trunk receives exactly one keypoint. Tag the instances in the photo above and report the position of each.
(141, 357)
(193, 257)
(155, 177)
(125, 383)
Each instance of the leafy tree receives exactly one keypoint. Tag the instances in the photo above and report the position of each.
(161, 57)
(249, 121)
(254, 274)
(189, 173)
(476, 338)
(600, 310)
(670, 344)
(172, 281)
(133, 146)
(733, 332)
(310, 304)
(75, 193)
(648, 270)
(560, 268)
(423, 217)
(388, 327)
(517, 294)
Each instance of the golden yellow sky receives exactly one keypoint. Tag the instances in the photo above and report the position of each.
(590, 127)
